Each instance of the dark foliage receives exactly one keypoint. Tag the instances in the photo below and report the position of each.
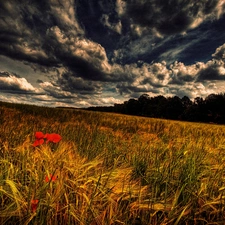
(210, 110)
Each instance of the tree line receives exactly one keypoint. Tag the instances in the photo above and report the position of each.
(210, 110)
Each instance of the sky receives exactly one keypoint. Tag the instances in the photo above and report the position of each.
(82, 53)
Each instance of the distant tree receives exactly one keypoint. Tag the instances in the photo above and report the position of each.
(198, 101)
(174, 108)
(186, 102)
(119, 108)
(143, 98)
(132, 107)
(212, 109)
(215, 107)
(144, 101)
(161, 104)
(155, 106)
(196, 112)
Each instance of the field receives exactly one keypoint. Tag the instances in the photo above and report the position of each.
(109, 169)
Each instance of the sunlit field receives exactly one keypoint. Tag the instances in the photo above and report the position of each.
(108, 169)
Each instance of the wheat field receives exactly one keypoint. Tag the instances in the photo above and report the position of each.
(109, 169)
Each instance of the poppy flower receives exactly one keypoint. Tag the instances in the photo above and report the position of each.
(34, 205)
(39, 139)
(39, 135)
(38, 142)
(55, 138)
(50, 178)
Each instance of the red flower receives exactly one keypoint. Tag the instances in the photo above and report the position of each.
(39, 139)
(39, 135)
(34, 205)
(50, 178)
(38, 142)
(55, 138)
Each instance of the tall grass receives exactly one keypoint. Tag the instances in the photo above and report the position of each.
(110, 169)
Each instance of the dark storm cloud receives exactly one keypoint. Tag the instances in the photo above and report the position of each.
(55, 91)
(131, 89)
(212, 72)
(77, 85)
(171, 17)
(83, 57)
(215, 68)
(220, 53)
(181, 79)
(24, 29)
(47, 34)
(88, 49)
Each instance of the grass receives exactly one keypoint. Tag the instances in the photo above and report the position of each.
(109, 169)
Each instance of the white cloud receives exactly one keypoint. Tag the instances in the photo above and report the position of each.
(14, 83)
(105, 101)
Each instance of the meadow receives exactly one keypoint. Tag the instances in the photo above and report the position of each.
(109, 169)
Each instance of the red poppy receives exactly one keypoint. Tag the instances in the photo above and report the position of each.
(34, 205)
(55, 138)
(38, 142)
(39, 135)
(39, 139)
(50, 178)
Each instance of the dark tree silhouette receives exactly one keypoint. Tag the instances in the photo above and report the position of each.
(212, 109)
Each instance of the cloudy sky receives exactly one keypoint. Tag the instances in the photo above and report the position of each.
(85, 53)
